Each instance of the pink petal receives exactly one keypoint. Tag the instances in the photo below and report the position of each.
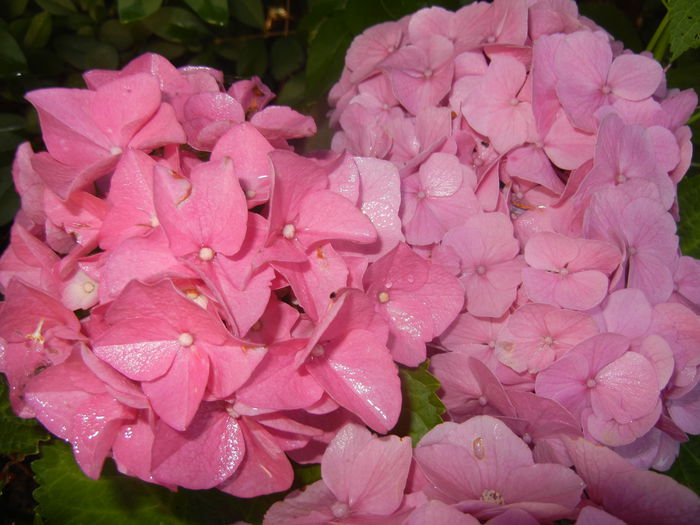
(176, 396)
(634, 77)
(202, 456)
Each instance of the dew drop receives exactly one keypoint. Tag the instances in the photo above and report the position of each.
(478, 448)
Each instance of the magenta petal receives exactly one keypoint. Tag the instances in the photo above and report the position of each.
(360, 375)
(545, 483)
(366, 472)
(265, 468)
(634, 77)
(312, 506)
(204, 455)
(231, 366)
(325, 215)
(595, 516)
(141, 349)
(176, 396)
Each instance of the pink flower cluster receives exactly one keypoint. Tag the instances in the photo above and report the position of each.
(187, 295)
(476, 472)
(539, 162)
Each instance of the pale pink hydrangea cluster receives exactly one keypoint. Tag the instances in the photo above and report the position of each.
(187, 295)
(538, 162)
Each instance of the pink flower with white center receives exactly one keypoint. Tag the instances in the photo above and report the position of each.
(566, 272)
(589, 77)
(488, 261)
(175, 348)
(439, 197)
(421, 73)
(419, 300)
(483, 468)
(644, 232)
(536, 335)
(364, 478)
(614, 392)
(498, 108)
(88, 130)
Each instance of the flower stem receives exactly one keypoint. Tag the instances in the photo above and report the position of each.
(659, 42)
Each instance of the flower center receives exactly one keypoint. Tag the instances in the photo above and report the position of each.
(548, 341)
(340, 510)
(317, 351)
(481, 269)
(591, 383)
(250, 194)
(88, 287)
(420, 195)
(605, 90)
(206, 253)
(185, 339)
(115, 150)
(491, 496)
(564, 272)
(383, 297)
(428, 73)
(482, 401)
(514, 101)
(289, 231)
(620, 178)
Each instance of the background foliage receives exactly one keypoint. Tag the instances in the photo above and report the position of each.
(297, 47)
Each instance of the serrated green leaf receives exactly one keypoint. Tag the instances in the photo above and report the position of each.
(689, 206)
(66, 496)
(18, 437)
(131, 10)
(684, 26)
(614, 21)
(252, 59)
(12, 61)
(422, 408)
(286, 56)
(211, 11)
(39, 30)
(176, 25)
(57, 7)
(686, 469)
(249, 12)
(326, 56)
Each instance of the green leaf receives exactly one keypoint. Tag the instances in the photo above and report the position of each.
(686, 469)
(57, 7)
(66, 496)
(117, 34)
(211, 11)
(360, 14)
(306, 474)
(326, 56)
(18, 437)
(684, 26)
(12, 60)
(13, 8)
(83, 52)
(39, 30)
(292, 92)
(422, 407)
(252, 59)
(130, 10)
(615, 21)
(249, 12)
(689, 206)
(286, 56)
(177, 25)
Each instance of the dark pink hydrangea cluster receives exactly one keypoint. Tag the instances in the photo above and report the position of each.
(187, 295)
(539, 163)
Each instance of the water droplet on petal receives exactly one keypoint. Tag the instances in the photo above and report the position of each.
(478, 448)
